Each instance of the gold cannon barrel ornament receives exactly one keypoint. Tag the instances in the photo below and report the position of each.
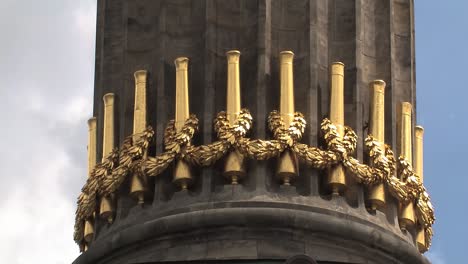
(406, 216)
(182, 174)
(336, 175)
(377, 130)
(287, 167)
(106, 209)
(234, 167)
(418, 167)
(92, 155)
(287, 127)
(138, 182)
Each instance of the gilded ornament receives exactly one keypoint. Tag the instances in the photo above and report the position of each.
(340, 143)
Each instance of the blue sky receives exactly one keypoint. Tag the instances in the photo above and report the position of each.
(442, 92)
(46, 89)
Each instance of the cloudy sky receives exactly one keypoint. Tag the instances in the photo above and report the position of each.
(46, 84)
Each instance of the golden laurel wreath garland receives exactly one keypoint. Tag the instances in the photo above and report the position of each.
(107, 177)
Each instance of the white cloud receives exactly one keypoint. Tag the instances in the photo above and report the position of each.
(39, 208)
(46, 83)
(77, 109)
(37, 226)
(85, 19)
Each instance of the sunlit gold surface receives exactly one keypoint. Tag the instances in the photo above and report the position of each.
(336, 176)
(233, 100)
(182, 173)
(405, 131)
(421, 239)
(407, 216)
(425, 211)
(418, 168)
(107, 177)
(377, 130)
(206, 155)
(377, 122)
(287, 167)
(234, 164)
(137, 185)
(419, 152)
(106, 210)
(286, 87)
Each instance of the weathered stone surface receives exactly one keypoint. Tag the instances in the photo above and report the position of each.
(258, 221)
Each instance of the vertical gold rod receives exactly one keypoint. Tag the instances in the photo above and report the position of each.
(234, 165)
(92, 139)
(233, 95)
(287, 168)
(377, 130)
(92, 144)
(138, 186)
(139, 114)
(407, 217)
(418, 168)
(287, 86)
(418, 152)
(406, 138)
(109, 125)
(336, 176)
(106, 206)
(182, 111)
(182, 174)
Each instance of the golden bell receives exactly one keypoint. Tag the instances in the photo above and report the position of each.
(137, 189)
(421, 240)
(407, 215)
(287, 167)
(106, 210)
(182, 175)
(377, 196)
(88, 231)
(234, 168)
